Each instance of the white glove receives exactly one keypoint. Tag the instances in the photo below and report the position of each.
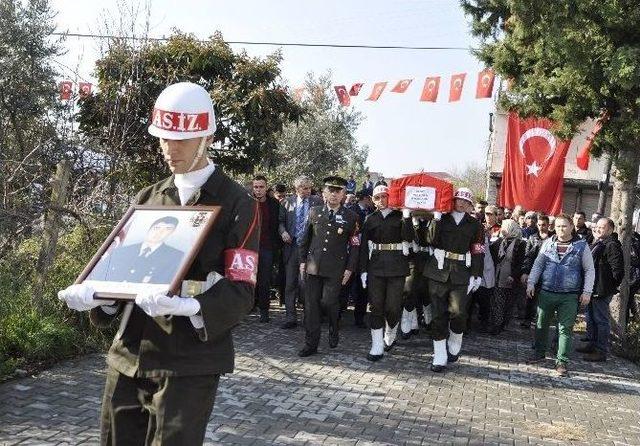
(161, 305)
(79, 297)
(467, 259)
(437, 215)
(405, 248)
(477, 283)
(415, 246)
(415, 221)
(472, 283)
(363, 278)
(370, 246)
(406, 213)
(439, 255)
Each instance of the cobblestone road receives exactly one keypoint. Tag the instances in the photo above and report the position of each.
(339, 398)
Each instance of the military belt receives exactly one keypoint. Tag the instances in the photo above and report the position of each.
(454, 256)
(387, 246)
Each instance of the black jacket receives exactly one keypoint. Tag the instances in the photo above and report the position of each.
(468, 236)
(531, 251)
(392, 229)
(609, 264)
(162, 346)
(328, 247)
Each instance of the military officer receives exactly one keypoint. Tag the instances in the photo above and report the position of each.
(453, 272)
(329, 255)
(386, 236)
(167, 357)
(416, 286)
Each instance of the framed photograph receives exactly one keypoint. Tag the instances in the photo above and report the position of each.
(150, 249)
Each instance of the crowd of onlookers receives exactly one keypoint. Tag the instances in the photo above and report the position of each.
(525, 278)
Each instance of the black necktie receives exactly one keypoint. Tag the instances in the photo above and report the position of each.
(145, 252)
(330, 214)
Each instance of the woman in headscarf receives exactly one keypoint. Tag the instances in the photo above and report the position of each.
(508, 256)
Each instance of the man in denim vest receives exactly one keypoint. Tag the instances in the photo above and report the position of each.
(565, 268)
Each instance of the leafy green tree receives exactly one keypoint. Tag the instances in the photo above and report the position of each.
(29, 144)
(323, 142)
(570, 60)
(251, 105)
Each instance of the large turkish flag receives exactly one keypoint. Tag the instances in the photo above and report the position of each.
(533, 166)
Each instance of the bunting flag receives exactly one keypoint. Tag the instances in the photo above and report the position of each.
(343, 95)
(378, 88)
(484, 89)
(455, 90)
(430, 89)
(297, 93)
(66, 89)
(402, 86)
(584, 154)
(355, 89)
(533, 166)
(84, 89)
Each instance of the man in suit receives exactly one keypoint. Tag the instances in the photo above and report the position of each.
(269, 243)
(293, 216)
(152, 261)
(329, 256)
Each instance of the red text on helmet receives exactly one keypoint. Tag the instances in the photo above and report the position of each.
(180, 122)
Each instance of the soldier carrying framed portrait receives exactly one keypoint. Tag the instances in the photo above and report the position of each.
(152, 247)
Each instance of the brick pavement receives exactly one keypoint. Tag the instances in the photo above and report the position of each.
(339, 398)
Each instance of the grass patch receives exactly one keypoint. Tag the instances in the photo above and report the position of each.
(560, 430)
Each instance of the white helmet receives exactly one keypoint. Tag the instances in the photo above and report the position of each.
(464, 193)
(380, 189)
(182, 111)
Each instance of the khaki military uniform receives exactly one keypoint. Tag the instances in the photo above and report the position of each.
(329, 246)
(448, 285)
(163, 373)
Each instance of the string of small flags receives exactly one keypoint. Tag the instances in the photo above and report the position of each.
(65, 89)
(430, 88)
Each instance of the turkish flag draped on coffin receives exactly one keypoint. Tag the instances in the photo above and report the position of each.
(533, 166)
(421, 191)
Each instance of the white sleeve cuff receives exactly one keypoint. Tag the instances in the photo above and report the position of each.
(109, 309)
(197, 321)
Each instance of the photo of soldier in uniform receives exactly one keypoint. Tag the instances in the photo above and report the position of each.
(149, 261)
(149, 250)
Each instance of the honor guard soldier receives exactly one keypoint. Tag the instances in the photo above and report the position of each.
(386, 237)
(454, 271)
(416, 285)
(329, 255)
(167, 357)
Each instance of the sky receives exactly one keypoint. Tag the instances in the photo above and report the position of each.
(403, 134)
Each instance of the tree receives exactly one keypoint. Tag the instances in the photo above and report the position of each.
(29, 143)
(323, 142)
(473, 176)
(251, 105)
(570, 60)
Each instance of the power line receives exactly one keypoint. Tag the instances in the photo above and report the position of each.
(311, 45)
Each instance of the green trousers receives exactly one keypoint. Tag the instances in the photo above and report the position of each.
(169, 411)
(566, 306)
